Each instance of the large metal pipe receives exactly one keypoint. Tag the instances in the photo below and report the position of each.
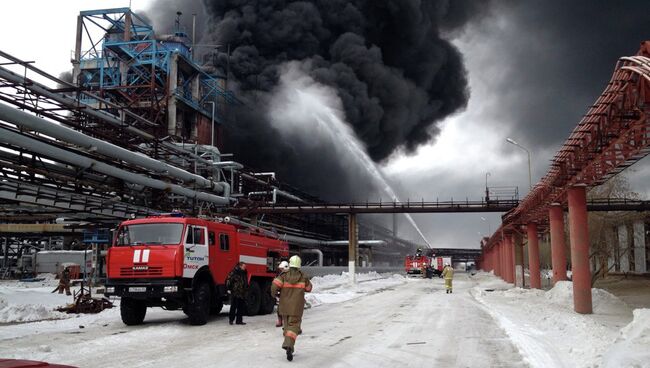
(112, 120)
(318, 252)
(309, 241)
(32, 122)
(11, 137)
(300, 239)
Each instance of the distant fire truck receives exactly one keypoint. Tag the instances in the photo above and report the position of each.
(178, 262)
(416, 264)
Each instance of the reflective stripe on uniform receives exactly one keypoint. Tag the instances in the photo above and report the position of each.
(291, 334)
(278, 283)
(300, 285)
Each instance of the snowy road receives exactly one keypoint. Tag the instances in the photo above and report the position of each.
(412, 324)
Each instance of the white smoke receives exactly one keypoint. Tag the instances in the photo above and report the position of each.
(310, 113)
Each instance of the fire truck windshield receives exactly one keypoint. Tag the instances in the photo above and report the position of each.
(150, 234)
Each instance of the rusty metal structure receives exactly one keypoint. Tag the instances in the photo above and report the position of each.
(613, 135)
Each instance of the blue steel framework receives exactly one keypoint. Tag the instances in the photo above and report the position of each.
(118, 56)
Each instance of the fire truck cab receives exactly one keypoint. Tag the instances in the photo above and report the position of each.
(178, 262)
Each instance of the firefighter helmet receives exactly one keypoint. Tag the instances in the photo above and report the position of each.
(295, 261)
(283, 265)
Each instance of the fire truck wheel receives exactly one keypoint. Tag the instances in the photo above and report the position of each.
(132, 311)
(199, 310)
(253, 299)
(268, 301)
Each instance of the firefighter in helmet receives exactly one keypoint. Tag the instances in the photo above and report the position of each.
(64, 282)
(292, 286)
(448, 274)
(282, 267)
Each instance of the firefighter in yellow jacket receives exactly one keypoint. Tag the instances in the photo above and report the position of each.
(292, 286)
(448, 274)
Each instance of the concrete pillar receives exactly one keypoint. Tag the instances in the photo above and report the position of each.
(126, 36)
(623, 248)
(353, 239)
(76, 66)
(639, 247)
(579, 237)
(533, 256)
(171, 103)
(558, 246)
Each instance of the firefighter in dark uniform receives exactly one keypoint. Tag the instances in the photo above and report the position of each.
(292, 286)
(64, 282)
(237, 285)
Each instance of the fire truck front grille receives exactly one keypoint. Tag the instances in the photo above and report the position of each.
(150, 271)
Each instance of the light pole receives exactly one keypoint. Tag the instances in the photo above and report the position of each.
(212, 130)
(530, 179)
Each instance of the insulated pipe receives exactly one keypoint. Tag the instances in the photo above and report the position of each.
(579, 236)
(11, 137)
(318, 252)
(308, 241)
(533, 256)
(42, 90)
(108, 118)
(32, 122)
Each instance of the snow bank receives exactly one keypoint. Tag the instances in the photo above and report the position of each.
(330, 289)
(631, 346)
(30, 301)
(28, 313)
(602, 301)
(545, 328)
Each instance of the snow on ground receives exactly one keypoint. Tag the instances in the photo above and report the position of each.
(412, 323)
(337, 288)
(631, 346)
(31, 301)
(384, 320)
(547, 331)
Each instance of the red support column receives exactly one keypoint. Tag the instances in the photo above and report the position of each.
(510, 260)
(501, 268)
(533, 256)
(579, 237)
(558, 247)
(498, 257)
(513, 261)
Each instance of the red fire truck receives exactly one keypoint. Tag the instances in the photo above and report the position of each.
(178, 262)
(415, 264)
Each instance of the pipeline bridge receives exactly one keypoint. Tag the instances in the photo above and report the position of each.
(613, 135)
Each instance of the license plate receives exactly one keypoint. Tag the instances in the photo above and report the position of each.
(138, 289)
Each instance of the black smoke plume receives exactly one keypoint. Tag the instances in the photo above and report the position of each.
(388, 62)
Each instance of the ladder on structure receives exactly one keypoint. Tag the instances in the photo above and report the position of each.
(4, 272)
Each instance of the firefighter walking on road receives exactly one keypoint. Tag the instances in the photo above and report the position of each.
(448, 274)
(292, 286)
(64, 282)
(237, 285)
